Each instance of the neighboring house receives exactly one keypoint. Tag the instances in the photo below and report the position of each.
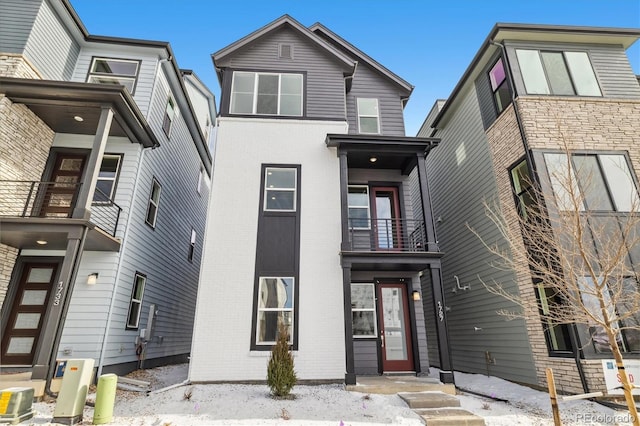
(528, 90)
(104, 185)
(322, 218)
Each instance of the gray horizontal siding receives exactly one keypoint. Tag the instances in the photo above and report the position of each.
(325, 97)
(18, 17)
(428, 308)
(610, 64)
(458, 192)
(365, 355)
(50, 47)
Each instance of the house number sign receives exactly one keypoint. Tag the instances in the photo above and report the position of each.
(58, 296)
(440, 311)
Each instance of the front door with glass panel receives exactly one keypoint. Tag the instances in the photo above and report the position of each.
(60, 194)
(395, 330)
(26, 318)
(386, 218)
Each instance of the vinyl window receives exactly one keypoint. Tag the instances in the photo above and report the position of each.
(368, 116)
(499, 86)
(258, 93)
(363, 310)
(114, 71)
(280, 189)
(135, 304)
(154, 203)
(107, 178)
(359, 207)
(169, 115)
(275, 305)
(192, 245)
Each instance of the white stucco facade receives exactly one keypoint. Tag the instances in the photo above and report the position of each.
(222, 335)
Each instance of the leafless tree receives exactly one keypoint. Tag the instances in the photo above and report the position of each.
(579, 257)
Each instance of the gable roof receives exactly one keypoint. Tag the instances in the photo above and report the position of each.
(363, 57)
(348, 64)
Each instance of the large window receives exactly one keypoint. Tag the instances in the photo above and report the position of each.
(280, 189)
(107, 178)
(358, 200)
(363, 310)
(499, 86)
(114, 71)
(154, 203)
(368, 116)
(275, 306)
(557, 73)
(597, 182)
(135, 305)
(266, 94)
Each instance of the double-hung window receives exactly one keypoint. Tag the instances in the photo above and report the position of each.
(114, 71)
(363, 310)
(192, 245)
(359, 210)
(499, 86)
(368, 116)
(107, 178)
(280, 189)
(154, 203)
(169, 115)
(595, 182)
(135, 304)
(557, 73)
(261, 93)
(275, 307)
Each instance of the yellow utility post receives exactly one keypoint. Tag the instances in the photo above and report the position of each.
(105, 399)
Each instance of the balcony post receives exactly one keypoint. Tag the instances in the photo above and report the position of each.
(350, 374)
(426, 204)
(344, 201)
(92, 168)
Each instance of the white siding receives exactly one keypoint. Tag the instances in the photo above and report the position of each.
(225, 297)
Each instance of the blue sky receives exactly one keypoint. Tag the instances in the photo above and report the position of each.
(428, 43)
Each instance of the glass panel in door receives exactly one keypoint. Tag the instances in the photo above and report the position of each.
(59, 196)
(386, 218)
(395, 334)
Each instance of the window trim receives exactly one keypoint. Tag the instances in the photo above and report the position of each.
(377, 116)
(115, 180)
(368, 207)
(132, 300)
(156, 204)
(166, 128)
(373, 309)
(294, 189)
(254, 99)
(503, 83)
(256, 313)
(113, 76)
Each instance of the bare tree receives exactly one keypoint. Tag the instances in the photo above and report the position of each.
(577, 250)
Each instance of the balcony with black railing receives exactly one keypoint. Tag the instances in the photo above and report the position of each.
(389, 235)
(53, 200)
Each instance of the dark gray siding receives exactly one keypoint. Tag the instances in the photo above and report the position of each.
(459, 185)
(485, 95)
(51, 48)
(325, 96)
(17, 18)
(610, 64)
(430, 319)
(369, 84)
(365, 353)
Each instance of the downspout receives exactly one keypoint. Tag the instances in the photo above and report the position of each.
(531, 166)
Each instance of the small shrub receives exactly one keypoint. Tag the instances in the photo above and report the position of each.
(281, 376)
(188, 394)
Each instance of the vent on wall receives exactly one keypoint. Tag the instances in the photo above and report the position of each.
(285, 51)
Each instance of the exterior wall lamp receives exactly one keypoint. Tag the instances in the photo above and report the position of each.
(92, 279)
(416, 295)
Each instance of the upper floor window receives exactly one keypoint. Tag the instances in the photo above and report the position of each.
(368, 116)
(557, 73)
(600, 182)
(524, 189)
(358, 200)
(114, 71)
(154, 203)
(107, 178)
(192, 245)
(263, 93)
(135, 303)
(169, 114)
(280, 189)
(499, 86)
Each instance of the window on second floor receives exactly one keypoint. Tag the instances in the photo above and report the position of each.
(261, 93)
(499, 86)
(192, 245)
(154, 203)
(114, 71)
(359, 210)
(280, 189)
(557, 73)
(107, 178)
(169, 115)
(368, 116)
(595, 182)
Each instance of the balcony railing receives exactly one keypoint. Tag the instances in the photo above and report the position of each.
(55, 200)
(392, 235)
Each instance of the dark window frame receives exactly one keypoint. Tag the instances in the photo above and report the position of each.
(192, 245)
(156, 204)
(228, 100)
(167, 121)
(112, 75)
(132, 300)
(499, 108)
(114, 188)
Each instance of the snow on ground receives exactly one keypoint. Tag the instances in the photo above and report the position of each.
(235, 404)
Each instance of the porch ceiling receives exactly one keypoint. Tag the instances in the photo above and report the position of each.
(58, 102)
(24, 233)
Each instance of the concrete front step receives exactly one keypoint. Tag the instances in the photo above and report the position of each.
(390, 385)
(429, 399)
(449, 417)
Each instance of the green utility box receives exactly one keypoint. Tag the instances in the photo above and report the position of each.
(15, 405)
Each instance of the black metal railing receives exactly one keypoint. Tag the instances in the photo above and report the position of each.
(55, 200)
(404, 235)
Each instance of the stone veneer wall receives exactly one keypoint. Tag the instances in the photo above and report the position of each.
(24, 147)
(584, 123)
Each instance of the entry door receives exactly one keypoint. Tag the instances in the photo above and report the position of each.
(60, 195)
(386, 218)
(395, 330)
(20, 339)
